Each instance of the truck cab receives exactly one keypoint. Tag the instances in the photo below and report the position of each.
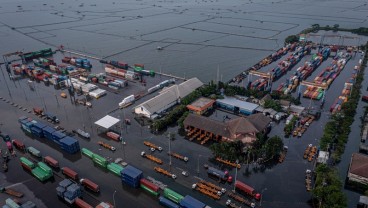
(52, 117)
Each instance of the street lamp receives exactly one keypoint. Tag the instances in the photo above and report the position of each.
(113, 197)
(260, 202)
(169, 150)
(198, 164)
(236, 173)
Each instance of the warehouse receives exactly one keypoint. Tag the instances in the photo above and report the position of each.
(239, 129)
(358, 169)
(167, 98)
(236, 106)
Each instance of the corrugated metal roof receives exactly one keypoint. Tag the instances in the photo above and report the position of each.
(170, 95)
(238, 103)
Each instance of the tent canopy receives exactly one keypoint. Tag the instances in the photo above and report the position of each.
(107, 122)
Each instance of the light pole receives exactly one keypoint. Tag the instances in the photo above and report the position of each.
(198, 164)
(169, 136)
(113, 198)
(236, 173)
(260, 202)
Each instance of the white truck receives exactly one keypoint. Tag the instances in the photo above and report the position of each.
(127, 101)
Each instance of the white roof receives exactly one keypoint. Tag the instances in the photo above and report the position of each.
(238, 103)
(107, 122)
(171, 94)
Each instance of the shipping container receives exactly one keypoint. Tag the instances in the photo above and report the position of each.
(172, 195)
(70, 173)
(51, 161)
(190, 202)
(82, 204)
(167, 203)
(113, 136)
(131, 176)
(33, 151)
(149, 185)
(150, 191)
(18, 144)
(244, 188)
(27, 162)
(90, 185)
(87, 152)
(45, 168)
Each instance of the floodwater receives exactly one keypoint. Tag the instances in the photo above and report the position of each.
(198, 38)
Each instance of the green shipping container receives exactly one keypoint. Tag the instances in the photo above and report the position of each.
(100, 164)
(172, 195)
(97, 157)
(115, 168)
(114, 171)
(26, 162)
(45, 168)
(40, 174)
(87, 152)
(154, 193)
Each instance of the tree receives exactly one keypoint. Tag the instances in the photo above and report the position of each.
(315, 27)
(291, 39)
(273, 147)
(335, 27)
(273, 104)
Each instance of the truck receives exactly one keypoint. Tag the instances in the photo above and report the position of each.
(220, 175)
(51, 161)
(244, 188)
(52, 117)
(90, 185)
(38, 111)
(18, 144)
(82, 133)
(107, 146)
(127, 101)
(113, 136)
(69, 173)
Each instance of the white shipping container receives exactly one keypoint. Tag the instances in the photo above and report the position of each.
(97, 93)
(126, 101)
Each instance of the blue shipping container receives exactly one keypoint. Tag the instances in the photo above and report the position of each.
(39, 125)
(36, 132)
(57, 135)
(47, 132)
(190, 202)
(131, 176)
(167, 203)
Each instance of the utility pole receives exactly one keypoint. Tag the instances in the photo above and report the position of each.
(169, 136)
(236, 173)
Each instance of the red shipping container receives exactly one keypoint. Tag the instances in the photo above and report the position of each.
(51, 161)
(90, 185)
(149, 185)
(113, 136)
(18, 144)
(82, 204)
(26, 167)
(70, 173)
